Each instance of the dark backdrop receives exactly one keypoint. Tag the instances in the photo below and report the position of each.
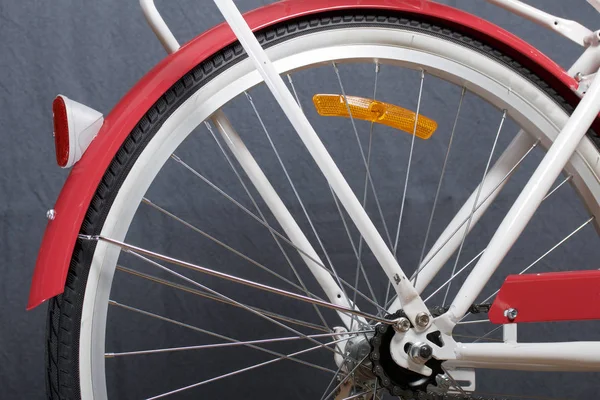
(94, 52)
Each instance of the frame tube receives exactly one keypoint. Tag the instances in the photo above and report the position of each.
(570, 29)
(588, 63)
(566, 356)
(450, 239)
(409, 298)
(516, 366)
(159, 26)
(527, 203)
(334, 293)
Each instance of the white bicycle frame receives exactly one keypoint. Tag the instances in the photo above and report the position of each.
(572, 356)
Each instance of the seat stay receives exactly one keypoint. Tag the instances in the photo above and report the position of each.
(407, 294)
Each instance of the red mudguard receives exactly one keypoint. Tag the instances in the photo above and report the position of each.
(553, 296)
(59, 239)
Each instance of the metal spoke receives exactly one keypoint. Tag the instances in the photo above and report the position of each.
(439, 186)
(294, 91)
(379, 308)
(362, 153)
(337, 373)
(289, 179)
(412, 145)
(454, 383)
(455, 275)
(140, 253)
(356, 396)
(388, 303)
(580, 227)
(387, 295)
(239, 371)
(508, 174)
(368, 179)
(358, 365)
(375, 302)
(230, 344)
(216, 298)
(525, 269)
(263, 223)
(260, 213)
(364, 204)
(359, 265)
(375, 390)
(567, 179)
(462, 243)
(476, 337)
(481, 252)
(136, 252)
(217, 335)
(488, 334)
(226, 246)
(479, 321)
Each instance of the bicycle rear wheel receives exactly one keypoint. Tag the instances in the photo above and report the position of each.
(201, 195)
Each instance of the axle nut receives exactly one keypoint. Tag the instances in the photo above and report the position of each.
(420, 352)
(425, 352)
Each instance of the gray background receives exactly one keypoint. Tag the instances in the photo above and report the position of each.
(93, 52)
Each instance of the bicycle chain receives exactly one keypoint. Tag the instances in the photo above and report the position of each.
(405, 393)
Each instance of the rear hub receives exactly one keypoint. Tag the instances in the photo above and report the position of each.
(397, 380)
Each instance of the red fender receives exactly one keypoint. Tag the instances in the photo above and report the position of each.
(548, 297)
(61, 233)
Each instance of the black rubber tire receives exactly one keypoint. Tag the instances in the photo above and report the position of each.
(64, 311)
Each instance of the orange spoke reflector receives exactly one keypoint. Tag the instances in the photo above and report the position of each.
(334, 105)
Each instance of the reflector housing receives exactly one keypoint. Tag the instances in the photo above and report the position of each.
(75, 126)
(334, 105)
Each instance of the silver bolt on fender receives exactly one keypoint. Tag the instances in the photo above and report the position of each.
(51, 214)
(511, 314)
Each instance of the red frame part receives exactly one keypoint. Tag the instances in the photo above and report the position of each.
(61, 233)
(554, 296)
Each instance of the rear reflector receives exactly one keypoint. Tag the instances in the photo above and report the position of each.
(337, 105)
(75, 126)
(61, 131)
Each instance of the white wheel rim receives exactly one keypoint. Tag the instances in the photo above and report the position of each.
(385, 45)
